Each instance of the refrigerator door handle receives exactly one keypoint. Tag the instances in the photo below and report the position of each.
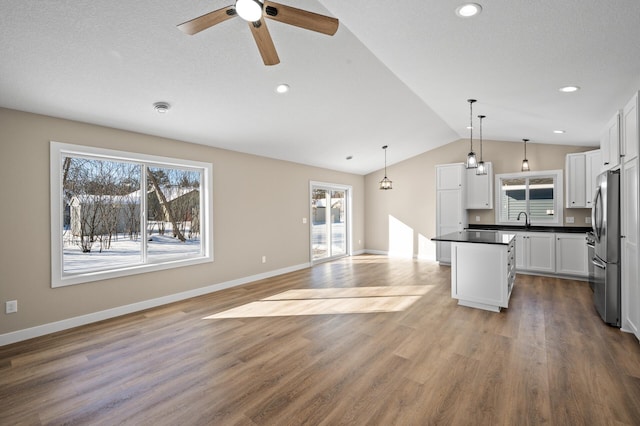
(594, 216)
(597, 262)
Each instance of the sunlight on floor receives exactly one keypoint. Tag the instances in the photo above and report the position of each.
(329, 301)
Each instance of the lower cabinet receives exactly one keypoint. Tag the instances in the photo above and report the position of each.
(571, 255)
(482, 275)
(552, 253)
(535, 252)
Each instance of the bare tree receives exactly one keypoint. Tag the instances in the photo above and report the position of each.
(165, 206)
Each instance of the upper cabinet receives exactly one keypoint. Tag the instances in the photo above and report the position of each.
(480, 188)
(593, 163)
(450, 176)
(630, 129)
(582, 168)
(610, 143)
(576, 182)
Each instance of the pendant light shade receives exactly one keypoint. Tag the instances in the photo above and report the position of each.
(471, 163)
(525, 162)
(482, 168)
(385, 183)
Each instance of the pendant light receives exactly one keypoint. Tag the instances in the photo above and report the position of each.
(471, 157)
(525, 162)
(385, 183)
(482, 168)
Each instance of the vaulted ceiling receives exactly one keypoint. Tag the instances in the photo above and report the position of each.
(395, 73)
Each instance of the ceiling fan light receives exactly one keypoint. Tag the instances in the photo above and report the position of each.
(249, 10)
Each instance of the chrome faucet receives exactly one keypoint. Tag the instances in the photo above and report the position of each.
(526, 219)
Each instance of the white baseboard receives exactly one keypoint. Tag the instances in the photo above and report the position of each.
(41, 330)
(380, 252)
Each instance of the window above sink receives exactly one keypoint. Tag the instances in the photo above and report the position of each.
(538, 194)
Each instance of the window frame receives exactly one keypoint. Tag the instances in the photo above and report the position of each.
(59, 278)
(558, 201)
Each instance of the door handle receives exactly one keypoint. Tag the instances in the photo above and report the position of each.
(598, 263)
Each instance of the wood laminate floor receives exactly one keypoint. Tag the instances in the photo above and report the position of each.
(360, 341)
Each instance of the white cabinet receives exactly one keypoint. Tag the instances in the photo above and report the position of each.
(630, 231)
(535, 252)
(482, 275)
(576, 183)
(582, 168)
(610, 143)
(629, 140)
(593, 160)
(450, 176)
(479, 188)
(630, 285)
(450, 206)
(571, 255)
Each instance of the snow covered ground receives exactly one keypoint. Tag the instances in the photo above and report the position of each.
(126, 252)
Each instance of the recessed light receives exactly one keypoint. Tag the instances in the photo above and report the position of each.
(282, 88)
(569, 89)
(161, 107)
(559, 132)
(468, 10)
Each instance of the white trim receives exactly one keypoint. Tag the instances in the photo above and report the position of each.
(348, 189)
(558, 177)
(379, 252)
(41, 330)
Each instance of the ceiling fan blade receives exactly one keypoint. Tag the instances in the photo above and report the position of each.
(300, 18)
(203, 22)
(264, 42)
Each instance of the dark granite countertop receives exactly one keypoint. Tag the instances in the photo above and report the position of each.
(479, 236)
(516, 228)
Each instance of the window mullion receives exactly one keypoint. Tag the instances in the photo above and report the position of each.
(143, 212)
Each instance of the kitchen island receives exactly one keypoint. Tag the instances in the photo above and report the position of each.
(482, 268)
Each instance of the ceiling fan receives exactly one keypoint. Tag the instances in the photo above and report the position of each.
(254, 12)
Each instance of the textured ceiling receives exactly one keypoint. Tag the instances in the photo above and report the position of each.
(397, 76)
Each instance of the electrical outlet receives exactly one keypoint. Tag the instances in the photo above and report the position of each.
(304, 220)
(11, 306)
(570, 219)
(587, 219)
(477, 218)
(264, 259)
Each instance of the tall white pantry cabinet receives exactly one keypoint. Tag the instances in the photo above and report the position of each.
(629, 147)
(451, 214)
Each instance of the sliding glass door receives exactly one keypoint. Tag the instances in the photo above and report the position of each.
(329, 221)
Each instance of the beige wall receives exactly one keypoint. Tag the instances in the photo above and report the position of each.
(258, 206)
(412, 199)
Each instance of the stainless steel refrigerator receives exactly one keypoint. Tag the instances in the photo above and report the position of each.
(605, 220)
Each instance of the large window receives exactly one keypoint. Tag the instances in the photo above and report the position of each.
(117, 213)
(538, 194)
